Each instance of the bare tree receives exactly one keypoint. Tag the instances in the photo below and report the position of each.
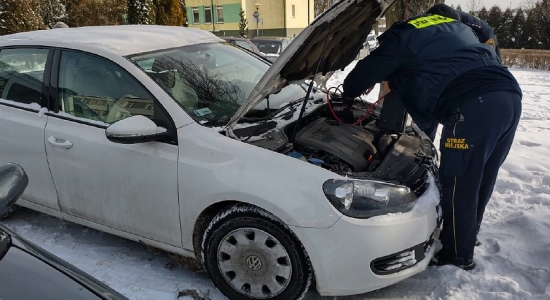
(474, 6)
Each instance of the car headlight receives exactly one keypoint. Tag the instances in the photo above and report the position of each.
(365, 199)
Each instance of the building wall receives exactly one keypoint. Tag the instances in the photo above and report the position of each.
(275, 16)
(231, 17)
(295, 24)
(272, 15)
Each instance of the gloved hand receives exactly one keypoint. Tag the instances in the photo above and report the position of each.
(343, 99)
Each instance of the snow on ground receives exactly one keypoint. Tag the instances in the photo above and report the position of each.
(513, 262)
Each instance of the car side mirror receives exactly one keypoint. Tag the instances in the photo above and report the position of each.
(13, 182)
(133, 130)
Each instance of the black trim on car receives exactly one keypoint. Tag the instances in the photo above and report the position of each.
(74, 119)
(384, 265)
(46, 80)
(54, 81)
(19, 107)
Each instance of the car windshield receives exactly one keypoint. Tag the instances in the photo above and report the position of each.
(210, 81)
(268, 47)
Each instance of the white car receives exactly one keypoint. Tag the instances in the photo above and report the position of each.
(171, 137)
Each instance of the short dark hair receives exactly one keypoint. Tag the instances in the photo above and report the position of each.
(445, 11)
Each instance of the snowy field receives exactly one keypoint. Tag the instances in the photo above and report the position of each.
(512, 263)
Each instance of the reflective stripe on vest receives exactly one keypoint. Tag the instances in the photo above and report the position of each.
(428, 21)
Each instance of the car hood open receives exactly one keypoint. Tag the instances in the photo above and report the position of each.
(330, 43)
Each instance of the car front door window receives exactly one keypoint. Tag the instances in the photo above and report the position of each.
(96, 89)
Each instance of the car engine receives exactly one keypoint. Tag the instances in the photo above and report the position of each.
(337, 143)
(374, 148)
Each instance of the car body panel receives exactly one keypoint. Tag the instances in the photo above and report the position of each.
(22, 141)
(132, 188)
(343, 265)
(240, 172)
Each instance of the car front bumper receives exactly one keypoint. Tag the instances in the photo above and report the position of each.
(356, 256)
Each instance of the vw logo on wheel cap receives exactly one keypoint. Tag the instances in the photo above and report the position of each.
(254, 263)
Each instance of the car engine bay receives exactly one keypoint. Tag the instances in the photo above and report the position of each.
(335, 137)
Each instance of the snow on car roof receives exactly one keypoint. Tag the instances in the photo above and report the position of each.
(121, 39)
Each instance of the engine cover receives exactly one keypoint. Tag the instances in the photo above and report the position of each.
(350, 143)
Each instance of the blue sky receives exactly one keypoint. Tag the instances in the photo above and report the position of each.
(487, 3)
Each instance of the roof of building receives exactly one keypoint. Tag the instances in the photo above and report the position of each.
(122, 39)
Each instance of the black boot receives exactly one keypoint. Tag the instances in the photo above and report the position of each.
(443, 258)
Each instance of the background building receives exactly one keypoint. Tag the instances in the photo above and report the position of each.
(276, 17)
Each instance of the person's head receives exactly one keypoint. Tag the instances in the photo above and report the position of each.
(444, 10)
(60, 25)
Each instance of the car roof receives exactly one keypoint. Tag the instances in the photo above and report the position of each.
(121, 39)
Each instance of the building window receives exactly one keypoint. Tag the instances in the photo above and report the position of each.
(219, 13)
(207, 14)
(293, 11)
(195, 15)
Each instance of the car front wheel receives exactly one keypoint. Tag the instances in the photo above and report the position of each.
(250, 254)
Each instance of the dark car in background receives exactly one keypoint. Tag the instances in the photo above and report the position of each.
(243, 43)
(28, 271)
(271, 47)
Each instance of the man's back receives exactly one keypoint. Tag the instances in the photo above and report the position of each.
(420, 57)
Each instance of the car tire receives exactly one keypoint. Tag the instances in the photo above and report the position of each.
(9, 212)
(250, 254)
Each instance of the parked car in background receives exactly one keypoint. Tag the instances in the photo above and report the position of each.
(245, 43)
(28, 271)
(272, 47)
(172, 137)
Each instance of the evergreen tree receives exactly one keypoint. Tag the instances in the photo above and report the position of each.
(168, 12)
(184, 10)
(545, 23)
(517, 30)
(243, 24)
(140, 12)
(494, 19)
(483, 14)
(504, 31)
(51, 12)
(529, 35)
(19, 15)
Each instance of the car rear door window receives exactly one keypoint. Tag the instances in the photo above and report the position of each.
(97, 89)
(22, 74)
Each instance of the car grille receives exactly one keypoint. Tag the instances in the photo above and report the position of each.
(400, 261)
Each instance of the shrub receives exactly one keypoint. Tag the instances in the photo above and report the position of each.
(526, 58)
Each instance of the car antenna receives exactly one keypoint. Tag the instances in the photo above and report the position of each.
(306, 99)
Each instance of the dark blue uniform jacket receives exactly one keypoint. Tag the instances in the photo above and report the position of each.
(484, 32)
(434, 64)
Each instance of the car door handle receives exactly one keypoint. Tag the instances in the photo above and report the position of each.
(63, 144)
